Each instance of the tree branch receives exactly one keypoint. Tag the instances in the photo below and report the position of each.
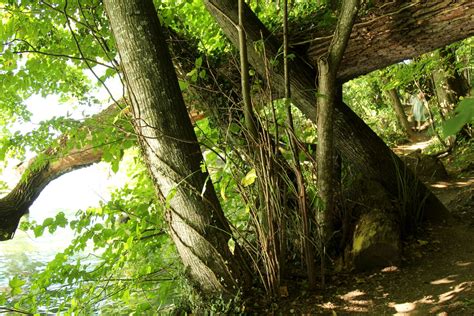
(46, 167)
(341, 35)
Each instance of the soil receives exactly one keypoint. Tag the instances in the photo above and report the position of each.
(436, 275)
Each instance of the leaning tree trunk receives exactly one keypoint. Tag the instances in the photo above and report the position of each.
(168, 142)
(400, 112)
(393, 32)
(57, 160)
(354, 139)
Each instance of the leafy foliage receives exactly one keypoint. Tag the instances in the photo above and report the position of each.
(121, 256)
(464, 114)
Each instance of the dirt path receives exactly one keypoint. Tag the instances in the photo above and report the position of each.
(435, 277)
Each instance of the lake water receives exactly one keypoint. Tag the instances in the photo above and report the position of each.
(25, 254)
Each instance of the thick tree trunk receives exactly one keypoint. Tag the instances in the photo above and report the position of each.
(196, 221)
(397, 31)
(355, 140)
(400, 112)
(446, 99)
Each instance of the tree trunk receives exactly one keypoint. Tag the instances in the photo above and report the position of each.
(356, 142)
(449, 85)
(396, 31)
(400, 112)
(327, 98)
(168, 142)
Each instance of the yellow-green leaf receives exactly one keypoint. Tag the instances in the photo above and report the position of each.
(249, 178)
(224, 197)
(231, 244)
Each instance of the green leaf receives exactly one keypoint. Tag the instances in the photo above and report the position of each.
(38, 230)
(198, 62)
(249, 178)
(464, 115)
(15, 285)
(48, 221)
(222, 192)
(126, 296)
(61, 220)
(115, 165)
(183, 85)
(231, 244)
(170, 196)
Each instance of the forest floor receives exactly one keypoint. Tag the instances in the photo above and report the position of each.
(436, 275)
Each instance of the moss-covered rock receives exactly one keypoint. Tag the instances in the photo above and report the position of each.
(376, 241)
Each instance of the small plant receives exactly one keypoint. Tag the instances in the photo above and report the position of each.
(411, 202)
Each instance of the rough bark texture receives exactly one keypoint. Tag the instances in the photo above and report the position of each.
(328, 65)
(196, 221)
(398, 30)
(354, 139)
(400, 112)
(449, 85)
(446, 99)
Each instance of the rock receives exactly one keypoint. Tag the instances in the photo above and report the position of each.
(424, 166)
(376, 242)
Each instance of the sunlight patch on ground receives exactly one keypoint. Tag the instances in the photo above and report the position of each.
(461, 287)
(440, 185)
(350, 303)
(458, 184)
(446, 280)
(356, 305)
(403, 307)
(464, 183)
(444, 300)
(351, 295)
(390, 269)
(408, 148)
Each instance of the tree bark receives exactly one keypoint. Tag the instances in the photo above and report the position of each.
(356, 142)
(328, 65)
(397, 31)
(449, 85)
(400, 112)
(168, 142)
